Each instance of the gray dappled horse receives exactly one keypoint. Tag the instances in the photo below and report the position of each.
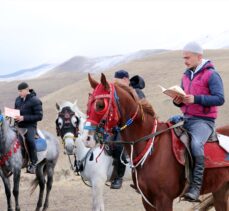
(95, 165)
(12, 161)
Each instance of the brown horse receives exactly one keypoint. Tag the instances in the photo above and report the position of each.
(158, 175)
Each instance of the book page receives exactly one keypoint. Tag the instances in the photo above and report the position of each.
(173, 91)
(10, 112)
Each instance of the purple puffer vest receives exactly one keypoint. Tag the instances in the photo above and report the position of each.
(198, 86)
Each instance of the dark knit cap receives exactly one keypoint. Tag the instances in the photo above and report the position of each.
(22, 86)
(121, 74)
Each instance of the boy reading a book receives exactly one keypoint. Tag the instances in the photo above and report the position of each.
(204, 92)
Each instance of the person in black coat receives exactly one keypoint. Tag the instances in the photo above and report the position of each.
(138, 84)
(31, 112)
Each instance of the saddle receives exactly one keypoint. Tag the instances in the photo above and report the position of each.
(215, 155)
(40, 143)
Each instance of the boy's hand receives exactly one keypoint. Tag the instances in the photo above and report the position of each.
(19, 118)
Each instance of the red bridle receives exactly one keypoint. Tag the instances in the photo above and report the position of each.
(109, 115)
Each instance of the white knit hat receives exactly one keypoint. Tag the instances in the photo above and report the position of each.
(193, 47)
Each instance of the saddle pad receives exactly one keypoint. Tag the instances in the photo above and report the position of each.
(223, 142)
(215, 156)
(41, 144)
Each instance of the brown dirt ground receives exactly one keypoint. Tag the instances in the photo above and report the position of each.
(69, 193)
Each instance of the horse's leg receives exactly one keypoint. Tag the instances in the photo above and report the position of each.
(17, 175)
(97, 195)
(221, 198)
(163, 202)
(6, 182)
(147, 206)
(41, 181)
(50, 172)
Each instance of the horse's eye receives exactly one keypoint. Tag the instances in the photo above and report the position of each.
(100, 105)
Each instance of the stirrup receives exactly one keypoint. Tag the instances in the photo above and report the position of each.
(183, 198)
(31, 169)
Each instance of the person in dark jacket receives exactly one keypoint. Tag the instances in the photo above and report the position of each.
(137, 83)
(30, 113)
(204, 93)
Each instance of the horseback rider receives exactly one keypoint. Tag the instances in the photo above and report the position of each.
(204, 92)
(137, 83)
(30, 113)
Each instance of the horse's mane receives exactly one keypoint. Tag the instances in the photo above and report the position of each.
(144, 104)
(7, 133)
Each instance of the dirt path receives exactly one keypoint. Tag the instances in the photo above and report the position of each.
(69, 193)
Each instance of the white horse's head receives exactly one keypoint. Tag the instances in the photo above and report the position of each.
(85, 135)
(69, 124)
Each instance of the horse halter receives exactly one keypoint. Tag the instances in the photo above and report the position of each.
(106, 120)
(67, 122)
(106, 117)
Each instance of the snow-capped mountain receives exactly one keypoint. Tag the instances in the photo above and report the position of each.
(28, 73)
(100, 64)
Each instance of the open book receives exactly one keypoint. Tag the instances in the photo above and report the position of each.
(10, 112)
(173, 91)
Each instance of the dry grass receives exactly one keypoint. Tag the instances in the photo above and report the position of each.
(165, 69)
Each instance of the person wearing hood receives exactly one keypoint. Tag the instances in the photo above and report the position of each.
(204, 93)
(31, 112)
(137, 83)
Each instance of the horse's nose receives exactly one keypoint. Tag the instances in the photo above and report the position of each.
(69, 148)
(88, 138)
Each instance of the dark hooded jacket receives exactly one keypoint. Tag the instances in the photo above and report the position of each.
(30, 109)
(138, 83)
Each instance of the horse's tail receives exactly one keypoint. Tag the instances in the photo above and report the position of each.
(205, 204)
(35, 182)
(34, 185)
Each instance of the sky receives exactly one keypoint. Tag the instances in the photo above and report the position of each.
(33, 32)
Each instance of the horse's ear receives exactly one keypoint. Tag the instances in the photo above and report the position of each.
(75, 103)
(57, 107)
(93, 82)
(104, 82)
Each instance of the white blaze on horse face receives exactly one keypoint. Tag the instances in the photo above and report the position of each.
(88, 136)
(69, 143)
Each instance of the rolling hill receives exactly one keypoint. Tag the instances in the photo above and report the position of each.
(163, 69)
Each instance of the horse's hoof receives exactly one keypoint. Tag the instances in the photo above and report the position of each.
(17, 209)
(37, 209)
(45, 208)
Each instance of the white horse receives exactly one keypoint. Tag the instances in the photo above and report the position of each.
(94, 164)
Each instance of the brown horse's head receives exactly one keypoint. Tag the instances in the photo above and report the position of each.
(101, 108)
